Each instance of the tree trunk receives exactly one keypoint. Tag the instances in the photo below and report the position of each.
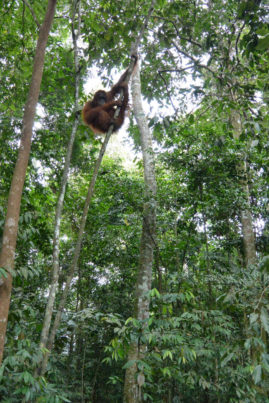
(132, 391)
(76, 255)
(14, 200)
(59, 208)
(246, 218)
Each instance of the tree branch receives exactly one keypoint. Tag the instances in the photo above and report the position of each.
(175, 70)
(196, 62)
(165, 83)
(135, 45)
(178, 34)
(236, 43)
(32, 12)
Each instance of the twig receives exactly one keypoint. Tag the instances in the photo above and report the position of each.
(260, 300)
(134, 46)
(32, 12)
(236, 44)
(178, 34)
(195, 61)
(165, 83)
(8, 10)
(175, 70)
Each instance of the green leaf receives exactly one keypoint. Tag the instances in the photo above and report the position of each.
(257, 374)
(28, 395)
(27, 377)
(129, 364)
(24, 272)
(265, 362)
(191, 119)
(263, 43)
(2, 368)
(247, 344)
(166, 371)
(167, 353)
(253, 318)
(226, 360)
(264, 265)
(3, 272)
(262, 31)
(155, 293)
(265, 319)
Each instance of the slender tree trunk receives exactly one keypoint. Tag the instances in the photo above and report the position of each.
(246, 218)
(15, 193)
(82, 366)
(132, 387)
(59, 208)
(94, 382)
(74, 262)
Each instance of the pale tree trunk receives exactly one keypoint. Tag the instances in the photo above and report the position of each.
(133, 385)
(246, 218)
(14, 200)
(76, 255)
(59, 207)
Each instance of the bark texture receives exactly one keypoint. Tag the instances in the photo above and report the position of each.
(14, 200)
(246, 218)
(132, 388)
